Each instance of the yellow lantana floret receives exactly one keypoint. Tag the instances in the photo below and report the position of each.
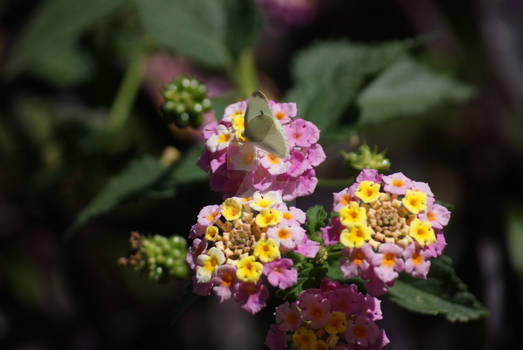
(415, 201)
(337, 323)
(267, 250)
(352, 214)
(231, 209)
(422, 232)
(266, 200)
(212, 233)
(303, 338)
(248, 269)
(355, 236)
(207, 263)
(269, 217)
(368, 191)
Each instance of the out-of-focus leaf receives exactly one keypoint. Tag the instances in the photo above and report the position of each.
(328, 76)
(515, 238)
(139, 176)
(408, 88)
(50, 35)
(316, 216)
(243, 24)
(185, 172)
(441, 293)
(196, 28)
(68, 66)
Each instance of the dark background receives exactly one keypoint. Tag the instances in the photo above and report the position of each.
(70, 294)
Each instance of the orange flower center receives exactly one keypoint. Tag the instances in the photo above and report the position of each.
(397, 182)
(279, 115)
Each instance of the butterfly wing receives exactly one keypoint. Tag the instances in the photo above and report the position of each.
(263, 129)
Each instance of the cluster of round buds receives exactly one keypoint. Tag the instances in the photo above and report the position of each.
(158, 256)
(333, 316)
(238, 167)
(388, 224)
(185, 102)
(237, 242)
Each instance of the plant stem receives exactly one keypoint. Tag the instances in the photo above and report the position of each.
(129, 87)
(245, 75)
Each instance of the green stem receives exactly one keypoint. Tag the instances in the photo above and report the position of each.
(335, 183)
(129, 87)
(244, 74)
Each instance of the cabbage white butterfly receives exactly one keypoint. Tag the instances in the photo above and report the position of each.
(262, 128)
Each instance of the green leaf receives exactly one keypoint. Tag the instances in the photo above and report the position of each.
(196, 28)
(329, 74)
(47, 43)
(441, 293)
(139, 176)
(515, 238)
(315, 220)
(408, 88)
(243, 24)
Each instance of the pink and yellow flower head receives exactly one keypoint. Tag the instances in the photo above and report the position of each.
(242, 239)
(333, 316)
(239, 167)
(388, 224)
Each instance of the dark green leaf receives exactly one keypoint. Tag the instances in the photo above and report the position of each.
(243, 24)
(328, 76)
(408, 88)
(441, 293)
(47, 43)
(315, 220)
(515, 238)
(196, 28)
(139, 176)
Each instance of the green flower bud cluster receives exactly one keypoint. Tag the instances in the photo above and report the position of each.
(365, 158)
(185, 102)
(158, 256)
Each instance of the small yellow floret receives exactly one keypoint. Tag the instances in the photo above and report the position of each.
(237, 122)
(337, 323)
(303, 338)
(207, 263)
(248, 270)
(352, 214)
(354, 236)
(422, 232)
(368, 191)
(319, 345)
(211, 233)
(415, 201)
(266, 250)
(231, 209)
(269, 217)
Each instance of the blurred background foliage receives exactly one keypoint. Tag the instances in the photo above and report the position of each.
(438, 84)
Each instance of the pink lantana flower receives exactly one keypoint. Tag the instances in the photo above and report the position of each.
(331, 234)
(224, 281)
(208, 215)
(333, 316)
(388, 262)
(355, 260)
(342, 198)
(238, 167)
(288, 235)
(422, 187)
(287, 316)
(417, 261)
(276, 338)
(251, 296)
(436, 248)
(436, 214)
(316, 309)
(281, 273)
(397, 183)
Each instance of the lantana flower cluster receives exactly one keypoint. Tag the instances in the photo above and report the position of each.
(387, 224)
(333, 316)
(238, 167)
(241, 240)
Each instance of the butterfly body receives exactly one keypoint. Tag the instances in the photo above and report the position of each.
(262, 128)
